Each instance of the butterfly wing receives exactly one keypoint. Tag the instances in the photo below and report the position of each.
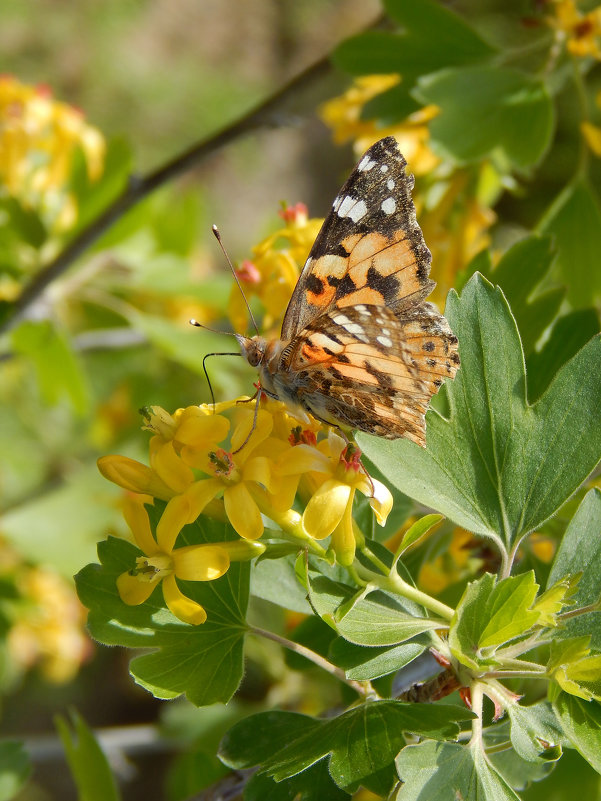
(371, 369)
(370, 249)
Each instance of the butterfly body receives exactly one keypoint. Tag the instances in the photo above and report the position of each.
(360, 347)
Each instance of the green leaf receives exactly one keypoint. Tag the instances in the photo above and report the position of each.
(580, 552)
(255, 739)
(434, 771)
(536, 734)
(574, 221)
(15, 768)
(57, 368)
(361, 743)
(487, 111)
(275, 580)
(568, 335)
(490, 614)
(419, 529)
(22, 223)
(391, 106)
(363, 663)
(313, 784)
(518, 284)
(87, 762)
(499, 467)
(206, 661)
(379, 619)
(434, 37)
(581, 722)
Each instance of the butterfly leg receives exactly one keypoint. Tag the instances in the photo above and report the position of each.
(257, 398)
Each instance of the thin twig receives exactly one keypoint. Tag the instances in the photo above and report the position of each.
(139, 187)
(362, 688)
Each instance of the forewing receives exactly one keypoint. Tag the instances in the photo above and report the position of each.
(367, 368)
(370, 249)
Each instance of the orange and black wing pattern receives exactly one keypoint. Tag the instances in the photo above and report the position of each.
(370, 249)
(368, 368)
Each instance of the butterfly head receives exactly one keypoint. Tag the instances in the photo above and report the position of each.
(253, 349)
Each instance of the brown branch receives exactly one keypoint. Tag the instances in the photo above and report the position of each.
(267, 113)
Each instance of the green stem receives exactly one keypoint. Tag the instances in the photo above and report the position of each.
(477, 699)
(394, 583)
(363, 688)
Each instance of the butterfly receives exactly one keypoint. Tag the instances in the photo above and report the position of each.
(360, 347)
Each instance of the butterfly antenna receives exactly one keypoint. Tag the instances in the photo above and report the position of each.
(204, 368)
(229, 261)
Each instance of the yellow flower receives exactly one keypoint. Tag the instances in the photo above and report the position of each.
(181, 442)
(456, 226)
(187, 434)
(38, 139)
(240, 474)
(336, 473)
(163, 563)
(343, 115)
(582, 31)
(49, 630)
(273, 271)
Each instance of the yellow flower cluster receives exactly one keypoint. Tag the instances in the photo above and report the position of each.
(582, 32)
(48, 628)
(453, 204)
(256, 471)
(272, 272)
(38, 137)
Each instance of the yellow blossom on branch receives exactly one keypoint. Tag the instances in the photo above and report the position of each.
(582, 31)
(163, 564)
(272, 272)
(237, 474)
(38, 139)
(335, 473)
(343, 115)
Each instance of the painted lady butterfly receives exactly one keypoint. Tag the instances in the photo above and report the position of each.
(359, 347)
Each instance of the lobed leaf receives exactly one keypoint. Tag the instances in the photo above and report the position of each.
(499, 466)
(205, 662)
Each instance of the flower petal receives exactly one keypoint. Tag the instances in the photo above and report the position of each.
(133, 591)
(302, 459)
(261, 430)
(133, 476)
(381, 502)
(242, 511)
(200, 494)
(179, 605)
(200, 562)
(343, 538)
(136, 518)
(168, 466)
(258, 468)
(202, 431)
(173, 519)
(325, 509)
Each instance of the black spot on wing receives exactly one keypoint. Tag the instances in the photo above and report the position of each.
(315, 284)
(386, 285)
(344, 286)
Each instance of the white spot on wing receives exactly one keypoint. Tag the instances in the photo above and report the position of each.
(336, 203)
(384, 168)
(385, 341)
(388, 206)
(350, 207)
(340, 319)
(390, 184)
(366, 164)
